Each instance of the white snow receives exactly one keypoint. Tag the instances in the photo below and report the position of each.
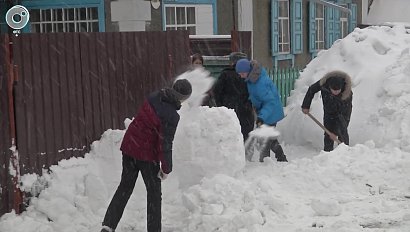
(384, 11)
(361, 187)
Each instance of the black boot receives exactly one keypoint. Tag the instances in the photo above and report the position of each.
(277, 149)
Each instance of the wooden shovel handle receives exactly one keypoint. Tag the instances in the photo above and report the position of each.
(323, 127)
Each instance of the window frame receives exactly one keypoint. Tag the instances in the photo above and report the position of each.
(185, 25)
(65, 21)
(61, 4)
(284, 22)
(320, 28)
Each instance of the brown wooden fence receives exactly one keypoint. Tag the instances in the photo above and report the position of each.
(72, 87)
(5, 139)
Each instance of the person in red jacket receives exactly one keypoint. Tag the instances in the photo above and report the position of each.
(147, 148)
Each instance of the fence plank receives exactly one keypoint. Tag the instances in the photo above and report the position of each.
(73, 90)
(38, 156)
(5, 139)
(55, 64)
(46, 78)
(121, 96)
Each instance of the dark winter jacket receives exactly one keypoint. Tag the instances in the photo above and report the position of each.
(333, 106)
(230, 91)
(150, 135)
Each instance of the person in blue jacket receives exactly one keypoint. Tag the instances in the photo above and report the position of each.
(265, 99)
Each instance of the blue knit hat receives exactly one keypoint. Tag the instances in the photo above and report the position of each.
(243, 66)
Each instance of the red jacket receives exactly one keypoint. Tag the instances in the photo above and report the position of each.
(150, 135)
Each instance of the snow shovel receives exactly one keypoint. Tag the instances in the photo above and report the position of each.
(323, 127)
(260, 135)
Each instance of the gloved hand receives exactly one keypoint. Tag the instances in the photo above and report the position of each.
(161, 175)
(305, 111)
(259, 122)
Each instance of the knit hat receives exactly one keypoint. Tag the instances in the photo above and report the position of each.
(243, 66)
(335, 83)
(235, 56)
(182, 89)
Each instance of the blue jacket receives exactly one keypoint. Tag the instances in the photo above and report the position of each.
(264, 96)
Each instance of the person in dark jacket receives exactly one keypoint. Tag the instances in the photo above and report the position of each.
(337, 96)
(230, 91)
(147, 148)
(266, 101)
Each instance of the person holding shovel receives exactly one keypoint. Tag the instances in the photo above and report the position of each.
(147, 149)
(337, 95)
(266, 102)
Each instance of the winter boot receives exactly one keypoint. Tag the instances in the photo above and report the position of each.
(277, 149)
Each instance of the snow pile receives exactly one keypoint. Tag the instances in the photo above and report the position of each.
(208, 142)
(349, 186)
(378, 60)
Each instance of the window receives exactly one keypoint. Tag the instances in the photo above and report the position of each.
(286, 30)
(344, 23)
(320, 27)
(181, 18)
(284, 35)
(84, 19)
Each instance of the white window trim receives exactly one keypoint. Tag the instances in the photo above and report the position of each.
(345, 22)
(320, 29)
(282, 26)
(63, 20)
(186, 25)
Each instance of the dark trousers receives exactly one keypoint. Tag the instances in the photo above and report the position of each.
(272, 144)
(265, 147)
(246, 120)
(130, 169)
(337, 125)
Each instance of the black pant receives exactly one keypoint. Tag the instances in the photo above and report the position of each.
(272, 144)
(265, 147)
(337, 125)
(130, 169)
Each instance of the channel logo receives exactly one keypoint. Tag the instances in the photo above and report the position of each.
(17, 17)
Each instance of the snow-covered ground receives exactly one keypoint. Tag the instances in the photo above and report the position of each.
(362, 187)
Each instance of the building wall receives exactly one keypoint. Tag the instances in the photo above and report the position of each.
(262, 32)
(156, 20)
(225, 16)
(302, 59)
(131, 15)
(245, 15)
(359, 4)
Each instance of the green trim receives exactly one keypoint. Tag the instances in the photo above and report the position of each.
(284, 80)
